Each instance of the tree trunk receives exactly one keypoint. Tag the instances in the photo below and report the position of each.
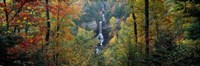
(15, 15)
(130, 52)
(147, 26)
(48, 27)
(57, 35)
(27, 27)
(6, 14)
(135, 26)
(48, 23)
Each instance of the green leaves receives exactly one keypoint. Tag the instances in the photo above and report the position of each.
(193, 31)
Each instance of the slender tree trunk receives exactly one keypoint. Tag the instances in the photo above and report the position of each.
(48, 26)
(16, 14)
(135, 26)
(18, 11)
(130, 47)
(57, 35)
(27, 27)
(135, 31)
(147, 27)
(48, 23)
(6, 14)
(15, 28)
(18, 30)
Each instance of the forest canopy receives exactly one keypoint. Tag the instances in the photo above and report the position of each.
(99, 32)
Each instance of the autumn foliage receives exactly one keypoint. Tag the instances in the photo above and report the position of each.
(136, 33)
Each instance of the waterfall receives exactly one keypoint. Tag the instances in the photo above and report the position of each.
(100, 35)
(100, 27)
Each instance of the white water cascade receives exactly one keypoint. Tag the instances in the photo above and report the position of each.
(100, 35)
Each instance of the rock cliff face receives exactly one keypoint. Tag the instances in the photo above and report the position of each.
(89, 25)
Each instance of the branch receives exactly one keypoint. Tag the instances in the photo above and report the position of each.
(19, 10)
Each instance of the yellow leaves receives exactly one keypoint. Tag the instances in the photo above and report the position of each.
(122, 24)
(1, 9)
(108, 54)
(29, 23)
(30, 13)
(112, 23)
(140, 39)
(70, 22)
(114, 39)
(80, 29)
(114, 54)
(188, 42)
(68, 35)
(121, 50)
(127, 31)
(25, 18)
(54, 1)
(8, 1)
(130, 20)
(43, 14)
(75, 10)
(18, 21)
(84, 36)
(28, 7)
(186, 25)
(81, 48)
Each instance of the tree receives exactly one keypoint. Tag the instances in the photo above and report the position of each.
(113, 23)
(8, 41)
(48, 26)
(48, 22)
(79, 51)
(6, 14)
(147, 27)
(131, 9)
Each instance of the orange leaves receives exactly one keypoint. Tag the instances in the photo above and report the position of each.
(59, 10)
(34, 5)
(32, 40)
(24, 14)
(30, 15)
(26, 45)
(6, 9)
(43, 29)
(75, 10)
(68, 35)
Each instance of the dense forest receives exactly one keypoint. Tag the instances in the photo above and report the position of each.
(99, 32)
